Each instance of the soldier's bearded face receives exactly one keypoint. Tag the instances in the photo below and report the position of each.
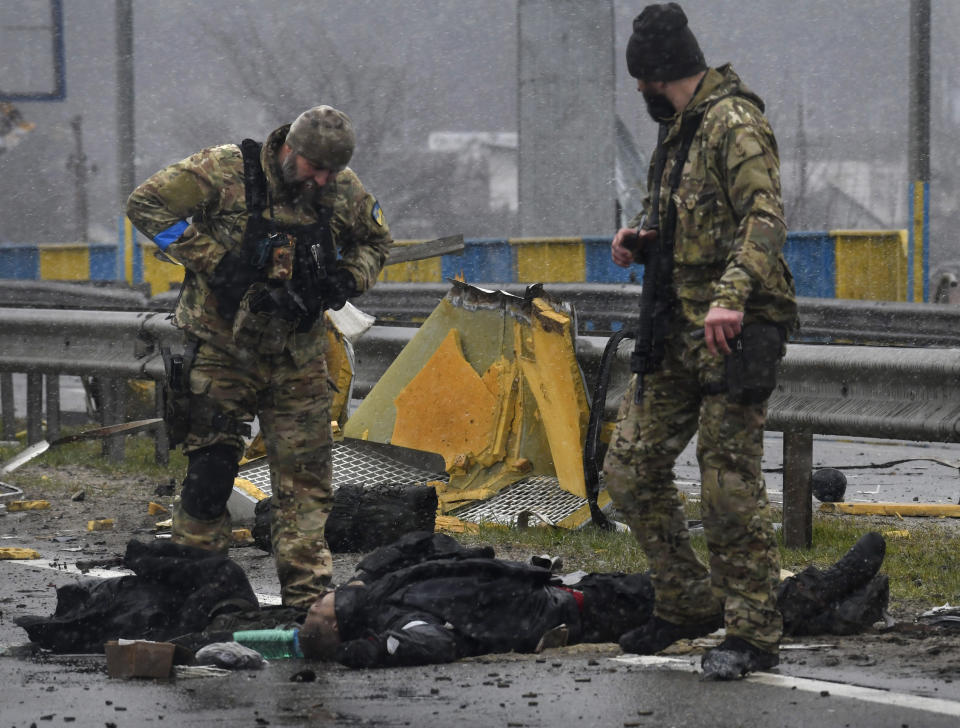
(289, 169)
(658, 106)
(297, 171)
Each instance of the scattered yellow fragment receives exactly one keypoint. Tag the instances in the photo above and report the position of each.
(895, 534)
(100, 524)
(241, 536)
(27, 505)
(893, 509)
(452, 524)
(249, 488)
(155, 509)
(11, 552)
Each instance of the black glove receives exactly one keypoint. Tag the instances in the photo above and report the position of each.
(342, 285)
(230, 280)
(362, 653)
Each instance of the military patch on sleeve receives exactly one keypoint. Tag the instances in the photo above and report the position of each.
(377, 214)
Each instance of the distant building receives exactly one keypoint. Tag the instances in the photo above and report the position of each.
(494, 152)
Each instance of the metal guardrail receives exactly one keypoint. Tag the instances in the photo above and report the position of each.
(112, 346)
(104, 296)
(910, 394)
(602, 308)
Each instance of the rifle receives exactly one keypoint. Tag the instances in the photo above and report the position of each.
(657, 298)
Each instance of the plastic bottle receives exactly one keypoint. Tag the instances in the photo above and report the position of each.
(271, 643)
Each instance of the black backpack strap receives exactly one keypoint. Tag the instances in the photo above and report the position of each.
(657, 299)
(254, 179)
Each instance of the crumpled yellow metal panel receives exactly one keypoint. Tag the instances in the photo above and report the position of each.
(430, 416)
(490, 382)
(548, 360)
(340, 373)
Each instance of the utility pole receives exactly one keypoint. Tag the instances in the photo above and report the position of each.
(126, 169)
(918, 163)
(125, 121)
(800, 211)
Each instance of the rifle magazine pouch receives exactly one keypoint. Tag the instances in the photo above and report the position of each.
(751, 367)
(259, 331)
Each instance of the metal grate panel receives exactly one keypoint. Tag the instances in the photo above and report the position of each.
(352, 463)
(9, 491)
(541, 494)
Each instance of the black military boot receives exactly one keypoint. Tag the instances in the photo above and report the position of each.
(856, 568)
(733, 658)
(657, 634)
(806, 599)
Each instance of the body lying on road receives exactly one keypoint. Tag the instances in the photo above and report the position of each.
(423, 599)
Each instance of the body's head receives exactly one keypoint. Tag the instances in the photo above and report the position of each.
(320, 634)
(319, 144)
(665, 58)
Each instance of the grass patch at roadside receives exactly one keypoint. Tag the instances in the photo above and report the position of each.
(921, 565)
(50, 474)
(920, 561)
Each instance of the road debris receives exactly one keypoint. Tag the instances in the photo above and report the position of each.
(139, 658)
(899, 510)
(12, 552)
(27, 505)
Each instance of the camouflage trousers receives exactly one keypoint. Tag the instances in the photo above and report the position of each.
(293, 406)
(638, 468)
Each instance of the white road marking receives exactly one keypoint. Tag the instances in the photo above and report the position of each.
(841, 690)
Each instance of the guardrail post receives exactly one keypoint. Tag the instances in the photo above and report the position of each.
(34, 407)
(161, 442)
(797, 506)
(7, 409)
(111, 412)
(53, 407)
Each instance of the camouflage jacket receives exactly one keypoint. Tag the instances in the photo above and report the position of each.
(730, 232)
(208, 189)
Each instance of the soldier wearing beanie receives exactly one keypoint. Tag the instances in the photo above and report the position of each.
(718, 305)
(271, 235)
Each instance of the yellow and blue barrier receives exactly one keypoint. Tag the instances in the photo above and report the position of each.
(855, 264)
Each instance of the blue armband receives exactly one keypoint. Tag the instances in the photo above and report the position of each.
(170, 235)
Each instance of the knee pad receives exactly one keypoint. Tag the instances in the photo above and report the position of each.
(209, 481)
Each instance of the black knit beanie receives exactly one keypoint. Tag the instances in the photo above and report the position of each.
(662, 47)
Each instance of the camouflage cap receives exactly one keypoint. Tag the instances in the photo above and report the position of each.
(324, 137)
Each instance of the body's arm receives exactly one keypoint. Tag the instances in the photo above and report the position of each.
(418, 641)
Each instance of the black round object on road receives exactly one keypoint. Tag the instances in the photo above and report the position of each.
(829, 485)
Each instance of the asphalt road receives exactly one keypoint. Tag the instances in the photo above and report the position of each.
(579, 691)
(587, 685)
(592, 685)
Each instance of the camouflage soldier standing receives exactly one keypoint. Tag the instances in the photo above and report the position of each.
(722, 303)
(270, 235)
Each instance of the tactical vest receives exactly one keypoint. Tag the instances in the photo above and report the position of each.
(314, 240)
(257, 200)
